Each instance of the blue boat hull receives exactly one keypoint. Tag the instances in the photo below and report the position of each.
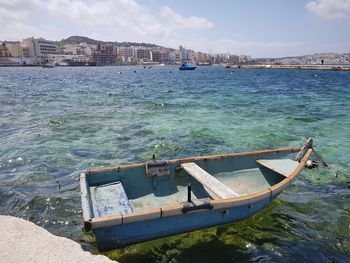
(127, 234)
(188, 68)
(129, 204)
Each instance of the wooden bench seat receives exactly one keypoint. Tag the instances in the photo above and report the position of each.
(281, 166)
(210, 183)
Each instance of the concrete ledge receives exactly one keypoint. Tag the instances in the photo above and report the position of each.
(302, 67)
(23, 241)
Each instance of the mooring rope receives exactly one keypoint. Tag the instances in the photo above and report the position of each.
(324, 164)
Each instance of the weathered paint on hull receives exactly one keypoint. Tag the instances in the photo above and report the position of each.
(158, 207)
(127, 234)
(193, 68)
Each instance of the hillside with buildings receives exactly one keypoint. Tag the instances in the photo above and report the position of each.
(77, 50)
(313, 59)
(74, 40)
(84, 51)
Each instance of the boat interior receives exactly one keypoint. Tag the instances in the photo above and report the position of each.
(139, 187)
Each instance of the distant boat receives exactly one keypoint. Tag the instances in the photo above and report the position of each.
(91, 63)
(205, 64)
(187, 66)
(49, 65)
(129, 204)
(227, 66)
(76, 63)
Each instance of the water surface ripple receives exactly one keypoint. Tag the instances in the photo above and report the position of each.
(57, 122)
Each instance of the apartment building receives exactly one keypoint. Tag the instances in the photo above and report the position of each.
(38, 47)
(185, 54)
(104, 55)
(15, 49)
(160, 56)
(4, 52)
(142, 53)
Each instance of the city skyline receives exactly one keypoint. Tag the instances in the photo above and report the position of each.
(269, 29)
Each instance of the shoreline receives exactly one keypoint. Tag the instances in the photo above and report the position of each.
(299, 67)
(247, 66)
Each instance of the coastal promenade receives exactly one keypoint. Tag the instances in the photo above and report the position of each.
(23, 241)
(300, 67)
(253, 66)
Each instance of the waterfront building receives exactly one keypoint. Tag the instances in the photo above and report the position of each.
(67, 60)
(70, 49)
(104, 55)
(15, 49)
(85, 49)
(126, 52)
(200, 57)
(160, 56)
(180, 54)
(245, 59)
(126, 55)
(190, 55)
(38, 47)
(4, 52)
(233, 59)
(77, 49)
(185, 55)
(172, 56)
(218, 59)
(142, 53)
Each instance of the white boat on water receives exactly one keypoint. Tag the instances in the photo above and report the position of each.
(49, 65)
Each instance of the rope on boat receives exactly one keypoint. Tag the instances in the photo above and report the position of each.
(321, 163)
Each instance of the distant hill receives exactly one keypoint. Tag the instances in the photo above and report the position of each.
(80, 39)
(314, 55)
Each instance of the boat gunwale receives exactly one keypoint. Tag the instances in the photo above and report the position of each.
(225, 203)
(85, 198)
(198, 158)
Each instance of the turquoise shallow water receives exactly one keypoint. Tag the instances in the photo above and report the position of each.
(57, 122)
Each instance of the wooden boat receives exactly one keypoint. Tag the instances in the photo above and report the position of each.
(128, 204)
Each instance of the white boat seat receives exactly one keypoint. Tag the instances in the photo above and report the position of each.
(210, 183)
(281, 166)
(110, 199)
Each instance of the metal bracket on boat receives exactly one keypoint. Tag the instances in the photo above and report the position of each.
(196, 205)
(306, 147)
(157, 168)
(87, 225)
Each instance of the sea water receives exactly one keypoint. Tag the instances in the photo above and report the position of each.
(57, 122)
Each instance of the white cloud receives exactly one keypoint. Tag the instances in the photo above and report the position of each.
(178, 21)
(15, 10)
(18, 30)
(112, 19)
(330, 9)
(12, 15)
(125, 14)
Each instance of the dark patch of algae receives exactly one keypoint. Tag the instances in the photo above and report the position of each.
(232, 242)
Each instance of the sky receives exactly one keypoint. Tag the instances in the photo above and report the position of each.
(260, 28)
